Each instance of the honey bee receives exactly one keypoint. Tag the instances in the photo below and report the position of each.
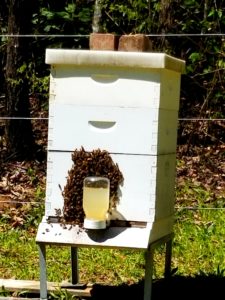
(94, 163)
(58, 212)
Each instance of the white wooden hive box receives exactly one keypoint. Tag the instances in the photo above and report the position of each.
(127, 104)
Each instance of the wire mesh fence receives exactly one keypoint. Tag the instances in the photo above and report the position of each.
(4, 118)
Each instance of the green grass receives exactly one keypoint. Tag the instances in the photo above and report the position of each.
(19, 259)
(198, 248)
(199, 241)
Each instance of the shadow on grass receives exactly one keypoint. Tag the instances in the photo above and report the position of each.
(177, 287)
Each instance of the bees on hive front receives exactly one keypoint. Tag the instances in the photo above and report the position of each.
(95, 163)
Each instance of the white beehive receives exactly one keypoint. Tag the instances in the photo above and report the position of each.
(126, 103)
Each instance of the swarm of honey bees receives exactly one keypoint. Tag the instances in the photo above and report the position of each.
(95, 163)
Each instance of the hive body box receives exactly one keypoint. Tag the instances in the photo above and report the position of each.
(127, 104)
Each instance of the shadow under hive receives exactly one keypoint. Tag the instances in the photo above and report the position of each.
(95, 163)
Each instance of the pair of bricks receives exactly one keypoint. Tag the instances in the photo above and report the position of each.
(108, 41)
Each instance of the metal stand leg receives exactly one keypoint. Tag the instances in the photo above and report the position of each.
(149, 263)
(74, 265)
(74, 272)
(43, 272)
(148, 274)
(168, 258)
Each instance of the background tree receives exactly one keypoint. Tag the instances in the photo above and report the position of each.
(19, 137)
(202, 89)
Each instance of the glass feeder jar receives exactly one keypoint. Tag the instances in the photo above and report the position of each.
(95, 201)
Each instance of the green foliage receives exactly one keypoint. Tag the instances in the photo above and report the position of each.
(33, 215)
(4, 292)
(61, 294)
(203, 89)
(126, 17)
(75, 17)
(38, 86)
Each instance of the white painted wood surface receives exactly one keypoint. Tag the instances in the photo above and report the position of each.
(126, 103)
(114, 59)
(146, 194)
(113, 237)
(115, 129)
(115, 87)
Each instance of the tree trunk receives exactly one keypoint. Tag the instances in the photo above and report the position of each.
(164, 21)
(96, 22)
(19, 136)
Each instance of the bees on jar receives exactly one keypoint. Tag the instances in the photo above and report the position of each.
(95, 163)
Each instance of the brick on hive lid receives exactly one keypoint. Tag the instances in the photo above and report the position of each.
(135, 42)
(103, 41)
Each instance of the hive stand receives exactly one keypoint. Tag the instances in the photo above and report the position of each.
(75, 284)
(127, 104)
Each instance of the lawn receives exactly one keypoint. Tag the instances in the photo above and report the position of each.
(198, 248)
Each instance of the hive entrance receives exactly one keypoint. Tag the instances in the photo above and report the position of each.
(95, 163)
